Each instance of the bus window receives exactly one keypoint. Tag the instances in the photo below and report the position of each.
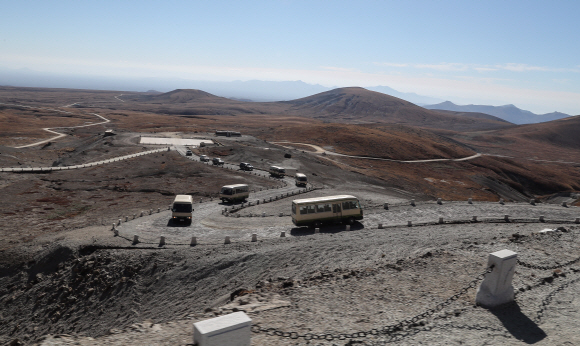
(311, 209)
(303, 210)
(293, 208)
(320, 208)
(336, 208)
(327, 207)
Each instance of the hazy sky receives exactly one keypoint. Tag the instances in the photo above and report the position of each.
(484, 52)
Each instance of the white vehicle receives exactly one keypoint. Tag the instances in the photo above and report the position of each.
(232, 193)
(300, 179)
(182, 209)
(325, 210)
(276, 171)
(203, 158)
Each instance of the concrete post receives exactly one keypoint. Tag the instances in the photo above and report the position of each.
(440, 220)
(501, 201)
(263, 214)
(413, 202)
(409, 223)
(134, 216)
(135, 238)
(474, 219)
(142, 212)
(258, 202)
(565, 205)
(532, 201)
(541, 218)
(126, 218)
(496, 288)
(112, 229)
(193, 241)
(386, 206)
(150, 211)
(162, 240)
(282, 234)
(281, 214)
(228, 330)
(316, 230)
(577, 220)
(439, 201)
(506, 218)
(227, 241)
(119, 222)
(158, 210)
(254, 237)
(116, 232)
(347, 228)
(380, 225)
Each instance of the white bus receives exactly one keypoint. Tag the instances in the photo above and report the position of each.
(300, 179)
(182, 209)
(323, 210)
(276, 171)
(232, 193)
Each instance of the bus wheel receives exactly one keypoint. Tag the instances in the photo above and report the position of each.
(350, 220)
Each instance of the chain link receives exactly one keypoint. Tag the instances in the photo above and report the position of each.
(533, 266)
(386, 330)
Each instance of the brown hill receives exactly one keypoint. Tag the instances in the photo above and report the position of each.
(359, 105)
(186, 96)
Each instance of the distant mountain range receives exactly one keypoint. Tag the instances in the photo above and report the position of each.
(509, 113)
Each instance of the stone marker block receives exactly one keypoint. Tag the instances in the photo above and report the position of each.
(347, 228)
(162, 240)
(506, 218)
(474, 219)
(254, 237)
(282, 234)
(386, 206)
(116, 232)
(193, 241)
(227, 241)
(439, 201)
(316, 230)
(409, 223)
(496, 288)
(541, 218)
(263, 214)
(135, 238)
(380, 225)
(228, 330)
(440, 220)
(501, 201)
(565, 205)
(532, 201)
(413, 202)
(158, 210)
(126, 218)
(577, 220)
(119, 222)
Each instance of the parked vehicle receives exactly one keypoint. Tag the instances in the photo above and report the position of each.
(217, 161)
(204, 158)
(233, 193)
(188, 153)
(325, 210)
(244, 166)
(300, 179)
(277, 172)
(182, 209)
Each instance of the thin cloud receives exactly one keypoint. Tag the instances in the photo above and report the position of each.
(451, 67)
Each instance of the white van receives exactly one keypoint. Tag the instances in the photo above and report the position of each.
(182, 209)
(326, 210)
(301, 179)
(232, 193)
(276, 171)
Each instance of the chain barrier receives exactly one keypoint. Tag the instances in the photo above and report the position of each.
(533, 266)
(548, 300)
(386, 330)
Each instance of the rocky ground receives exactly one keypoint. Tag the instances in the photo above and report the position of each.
(81, 285)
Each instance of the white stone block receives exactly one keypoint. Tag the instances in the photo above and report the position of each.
(162, 240)
(347, 228)
(541, 218)
(474, 219)
(228, 330)
(227, 241)
(282, 234)
(254, 237)
(496, 289)
(440, 220)
(470, 200)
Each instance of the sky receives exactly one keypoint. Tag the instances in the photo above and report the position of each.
(525, 53)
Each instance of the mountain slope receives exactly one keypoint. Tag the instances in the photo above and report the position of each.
(358, 105)
(509, 113)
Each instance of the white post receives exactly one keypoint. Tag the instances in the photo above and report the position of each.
(118, 223)
(193, 241)
(158, 210)
(532, 201)
(501, 201)
(439, 201)
(126, 218)
(254, 237)
(409, 223)
(506, 218)
(565, 205)
(347, 228)
(413, 202)
(228, 330)
(142, 212)
(577, 220)
(496, 288)
(440, 220)
(541, 218)
(474, 219)
(135, 238)
(227, 241)
(112, 229)
(263, 214)
(116, 232)
(282, 234)
(470, 200)
(380, 225)
(162, 240)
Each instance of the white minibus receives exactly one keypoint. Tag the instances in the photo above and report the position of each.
(182, 209)
(232, 193)
(276, 171)
(301, 179)
(325, 210)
